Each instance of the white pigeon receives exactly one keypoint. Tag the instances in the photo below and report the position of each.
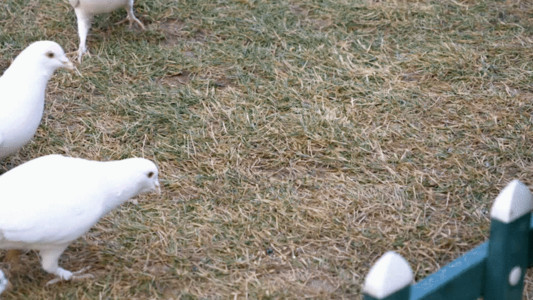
(86, 10)
(48, 202)
(3, 282)
(22, 93)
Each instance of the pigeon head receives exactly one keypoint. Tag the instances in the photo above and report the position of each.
(145, 174)
(46, 55)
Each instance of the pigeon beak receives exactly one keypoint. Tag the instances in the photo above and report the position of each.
(67, 64)
(158, 187)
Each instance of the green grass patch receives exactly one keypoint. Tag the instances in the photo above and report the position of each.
(298, 140)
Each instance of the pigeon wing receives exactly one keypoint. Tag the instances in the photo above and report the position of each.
(52, 224)
(40, 207)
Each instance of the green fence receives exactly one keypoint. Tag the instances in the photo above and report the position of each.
(493, 270)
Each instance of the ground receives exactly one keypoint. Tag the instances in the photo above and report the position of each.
(297, 140)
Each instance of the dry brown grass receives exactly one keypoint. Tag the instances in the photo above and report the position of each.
(297, 140)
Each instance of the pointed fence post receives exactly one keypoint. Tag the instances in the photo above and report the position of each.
(389, 278)
(508, 255)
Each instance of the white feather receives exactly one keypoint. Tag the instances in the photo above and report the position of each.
(22, 93)
(3, 282)
(85, 10)
(48, 202)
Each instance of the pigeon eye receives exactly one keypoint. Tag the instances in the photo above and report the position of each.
(150, 175)
(50, 54)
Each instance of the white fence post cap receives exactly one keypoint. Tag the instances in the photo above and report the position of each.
(389, 274)
(513, 202)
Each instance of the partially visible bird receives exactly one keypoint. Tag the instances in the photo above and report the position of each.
(86, 10)
(22, 93)
(3, 282)
(48, 202)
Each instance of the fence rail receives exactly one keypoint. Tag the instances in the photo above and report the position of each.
(493, 270)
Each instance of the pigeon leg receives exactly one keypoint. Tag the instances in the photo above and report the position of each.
(3, 282)
(49, 258)
(84, 24)
(131, 16)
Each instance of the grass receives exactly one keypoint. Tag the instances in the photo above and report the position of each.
(297, 140)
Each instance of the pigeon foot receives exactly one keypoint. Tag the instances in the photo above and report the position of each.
(131, 20)
(71, 276)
